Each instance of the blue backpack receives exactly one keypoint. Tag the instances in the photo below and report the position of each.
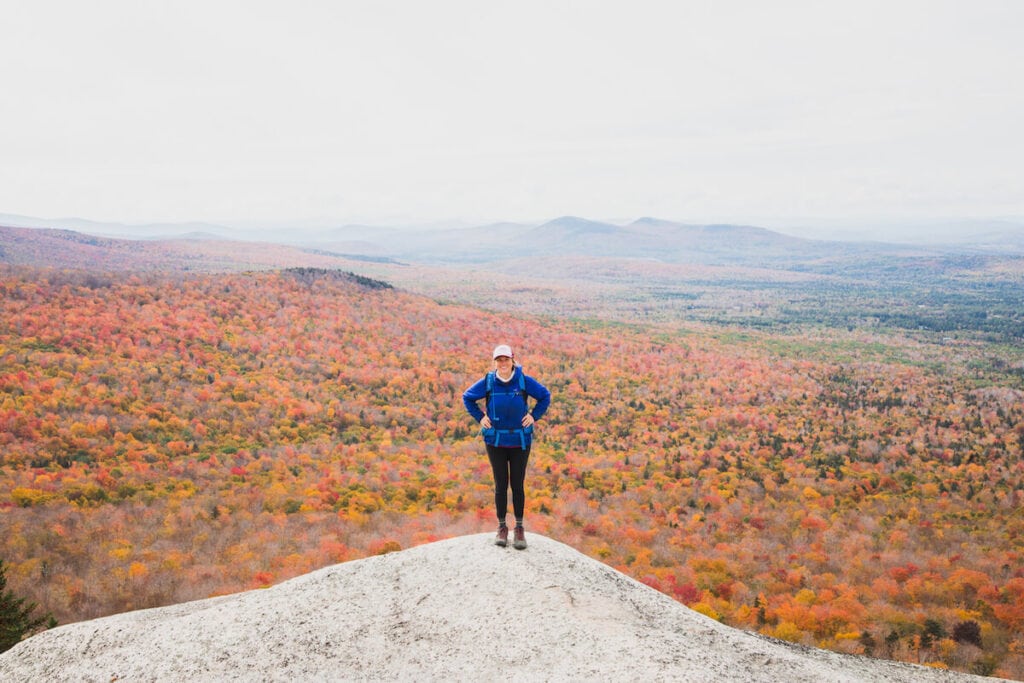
(521, 431)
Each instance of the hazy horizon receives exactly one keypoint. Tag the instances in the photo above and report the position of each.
(801, 116)
(1006, 230)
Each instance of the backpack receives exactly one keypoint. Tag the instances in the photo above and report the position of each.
(522, 432)
(490, 388)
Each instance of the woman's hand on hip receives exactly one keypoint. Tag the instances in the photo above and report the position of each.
(527, 420)
(485, 422)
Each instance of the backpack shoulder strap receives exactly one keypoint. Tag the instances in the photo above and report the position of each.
(490, 390)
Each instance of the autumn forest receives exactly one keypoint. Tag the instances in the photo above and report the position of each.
(169, 436)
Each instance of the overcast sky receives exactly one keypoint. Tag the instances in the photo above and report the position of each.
(385, 111)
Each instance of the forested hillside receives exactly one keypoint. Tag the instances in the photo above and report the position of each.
(167, 437)
(75, 250)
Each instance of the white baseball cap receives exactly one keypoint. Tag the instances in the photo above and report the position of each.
(503, 350)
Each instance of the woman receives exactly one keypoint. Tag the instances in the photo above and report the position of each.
(507, 428)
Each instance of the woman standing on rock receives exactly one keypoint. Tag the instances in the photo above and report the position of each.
(507, 428)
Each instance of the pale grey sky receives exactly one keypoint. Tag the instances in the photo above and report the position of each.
(388, 110)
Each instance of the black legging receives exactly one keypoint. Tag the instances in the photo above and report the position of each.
(509, 467)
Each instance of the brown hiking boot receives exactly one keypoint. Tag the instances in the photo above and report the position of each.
(502, 537)
(520, 539)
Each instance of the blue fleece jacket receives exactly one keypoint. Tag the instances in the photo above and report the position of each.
(507, 407)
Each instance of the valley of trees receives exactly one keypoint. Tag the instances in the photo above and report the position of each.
(957, 297)
(167, 437)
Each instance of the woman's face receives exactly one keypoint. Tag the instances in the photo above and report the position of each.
(504, 364)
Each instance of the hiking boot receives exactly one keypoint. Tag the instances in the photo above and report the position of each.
(502, 537)
(520, 539)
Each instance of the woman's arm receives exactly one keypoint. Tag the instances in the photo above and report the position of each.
(539, 392)
(472, 395)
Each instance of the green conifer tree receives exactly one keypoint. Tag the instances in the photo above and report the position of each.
(16, 620)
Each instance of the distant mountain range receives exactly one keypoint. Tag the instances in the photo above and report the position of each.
(645, 238)
(668, 241)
